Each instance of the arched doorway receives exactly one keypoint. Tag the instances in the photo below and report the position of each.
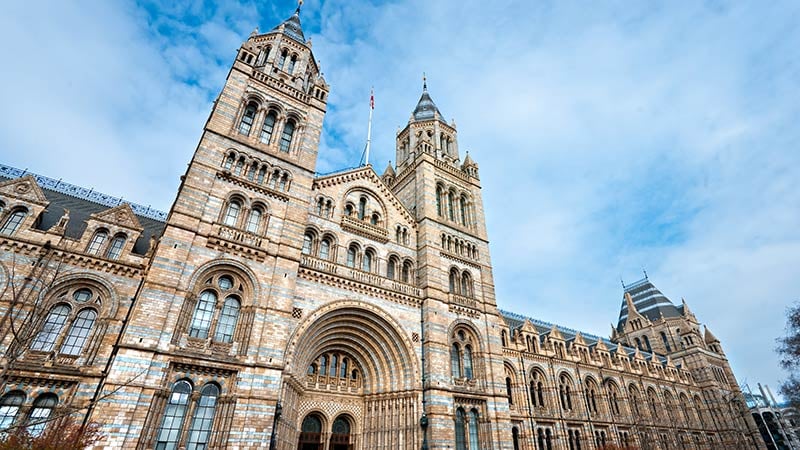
(310, 433)
(340, 434)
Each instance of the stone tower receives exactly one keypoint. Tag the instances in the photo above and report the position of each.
(459, 311)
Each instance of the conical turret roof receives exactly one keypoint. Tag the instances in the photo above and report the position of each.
(292, 28)
(425, 109)
(648, 301)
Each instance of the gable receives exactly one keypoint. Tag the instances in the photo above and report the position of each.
(121, 215)
(25, 189)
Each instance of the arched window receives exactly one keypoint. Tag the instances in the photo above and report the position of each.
(652, 400)
(638, 343)
(229, 161)
(251, 171)
(115, 249)
(286, 135)
(509, 391)
(268, 127)
(262, 173)
(468, 362)
(374, 219)
(247, 118)
(666, 341)
(451, 208)
(406, 271)
(362, 208)
(13, 221)
(227, 320)
(461, 423)
(463, 210)
(169, 432)
(311, 433)
(466, 285)
(537, 390)
(503, 338)
(473, 430)
(292, 62)
(231, 217)
(323, 365)
(46, 338)
(42, 409)
(334, 361)
(367, 260)
(9, 408)
(391, 267)
(79, 332)
(455, 361)
(203, 313)
(565, 392)
(647, 344)
(439, 211)
(515, 437)
(343, 369)
(282, 59)
(454, 281)
(200, 430)
(254, 220)
(97, 242)
(325, 249)
(308, 241)
(352, 251)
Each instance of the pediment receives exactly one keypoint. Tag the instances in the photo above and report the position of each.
(364, 177)
(24, 188)
(121, 215)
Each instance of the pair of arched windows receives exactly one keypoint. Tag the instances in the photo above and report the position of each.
(99, 245)
(217, 308)
(38, 417)
(453, 206)
(69, 323)
(396, 270)
(253, 221)
(574, 439)
(537, 389)
(268, 126)
(13, 220)
(591, 393)
(323, 248)
(324, 207)
(565, 392)
(256, 171)
(461, 283)
(467, 433)
(282, 61)
(461, 363)
(366, 261)
(173, 432)
(544, 438)
(646, 347)
(401, 235)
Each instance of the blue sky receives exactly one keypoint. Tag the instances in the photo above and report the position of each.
(655, 135)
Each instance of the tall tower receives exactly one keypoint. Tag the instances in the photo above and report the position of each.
(212, 314)
(459, 312)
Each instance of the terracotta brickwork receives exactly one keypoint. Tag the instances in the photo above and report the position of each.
(278, 307)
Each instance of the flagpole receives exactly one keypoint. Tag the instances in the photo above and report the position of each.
(369, 126)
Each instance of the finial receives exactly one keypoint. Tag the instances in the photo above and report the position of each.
(645, 274)
(299, 4)
(424, 82)
(621, 281)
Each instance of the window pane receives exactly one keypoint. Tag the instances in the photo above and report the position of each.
(232, 214)
(200, 430)
(460, 435)
(51, 329)
(455, 361)
(203, 313)
(79, 332)
(254, 221)
(247, 119)
(9, 408)
(42, 408)
(169, 432)
(13, 222)
(97, 242)
(267, 128)
(286, 136)
(82, 295)
(324, 249)
(468, 361)
(307, 240)
(227, 320)
(473, 430)
(115, 250)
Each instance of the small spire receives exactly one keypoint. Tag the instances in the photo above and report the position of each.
(299, 4)
(424, 82)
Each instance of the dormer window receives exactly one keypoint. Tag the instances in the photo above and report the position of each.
(97, 242)
(13, 221)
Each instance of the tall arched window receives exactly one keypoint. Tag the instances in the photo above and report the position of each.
(200, 430)
(647, 344)
(565, 392)
(46, 338)
(203, 313)
(463, 210)
(325, 248)
(455, 361)
(439, 201)
(343, 369)
(367, 260)
(406, 272)
(334, 361)
(509, 392)
(292, 62)
(454, 281)
(468, 361)
(362, 208)
(268, 127)
(169, 433)
(666, 341)
(515, 437)
(451, 207)
(391, 267)
(473, 430)
(231, 217)
(247, 118)
(286, 135)
(537, 390)
(115, 249)
(40, 413)
(97, 242)
(308, 241)
(323, 365)
(227, 320)
(461, 423)
(652, 401)
(79, 332)
(282, 59)
(228, 164)
(466, 285)
(13, 221)
(352, 251)
(9, 408)
(254, 220)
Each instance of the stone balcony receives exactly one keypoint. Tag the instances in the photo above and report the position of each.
(365, 229)
(372, 279)
(236, 240)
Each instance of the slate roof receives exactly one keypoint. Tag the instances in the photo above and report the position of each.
(292, 28)
(426, 109)
(649, 301)
(82, 203)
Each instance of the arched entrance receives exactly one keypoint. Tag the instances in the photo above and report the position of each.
(310, 433)
(340, 434)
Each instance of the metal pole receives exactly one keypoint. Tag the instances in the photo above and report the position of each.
(369, 126)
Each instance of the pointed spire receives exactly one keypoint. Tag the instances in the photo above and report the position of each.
(389, 172)
(299, 4)
(291, 26)
(468, 161)
(709, 337)
(425, 109)
(631, 307)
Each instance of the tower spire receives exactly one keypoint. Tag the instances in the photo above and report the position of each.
(299, 4)
(424, 82)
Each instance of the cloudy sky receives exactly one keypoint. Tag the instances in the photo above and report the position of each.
(660, 135)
